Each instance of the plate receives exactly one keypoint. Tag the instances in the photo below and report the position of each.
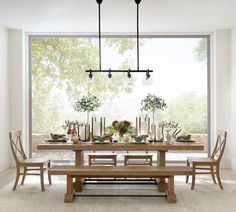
(184, 141)
(135, 142)
(56, 140)
(102, 142)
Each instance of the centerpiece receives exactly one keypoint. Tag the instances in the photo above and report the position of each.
(152, 103)
(87, 104)
(123, 129)
(172, 129)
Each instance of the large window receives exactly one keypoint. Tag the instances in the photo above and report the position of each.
(180, 77)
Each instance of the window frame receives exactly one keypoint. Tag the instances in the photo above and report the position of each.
(208, 36)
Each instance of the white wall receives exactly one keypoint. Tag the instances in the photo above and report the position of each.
(17, 82)
(233, 99)
(4, 97)
(221, 98)
(221, 86)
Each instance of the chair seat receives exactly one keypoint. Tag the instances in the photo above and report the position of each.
(102, 156)
(201, 160)
(34, 161)
(144, 156)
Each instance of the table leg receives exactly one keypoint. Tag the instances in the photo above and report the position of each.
(79, 161)
(161, 161)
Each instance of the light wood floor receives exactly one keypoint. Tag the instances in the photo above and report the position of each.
(206, 197)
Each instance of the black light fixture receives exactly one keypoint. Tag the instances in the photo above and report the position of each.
(109, 71)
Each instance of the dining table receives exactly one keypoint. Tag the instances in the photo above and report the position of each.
(160, 148)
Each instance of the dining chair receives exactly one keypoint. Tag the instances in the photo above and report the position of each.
(27, 164)
(211, 164)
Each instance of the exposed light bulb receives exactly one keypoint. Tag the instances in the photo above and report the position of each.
(147, 80)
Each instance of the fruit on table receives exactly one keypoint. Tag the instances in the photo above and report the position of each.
(74, 139)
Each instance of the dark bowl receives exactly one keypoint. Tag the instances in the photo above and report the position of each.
(187, 137)
(57, 136)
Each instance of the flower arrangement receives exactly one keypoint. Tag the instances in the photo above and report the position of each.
(87, 104)
(169, 127)
(121, 127)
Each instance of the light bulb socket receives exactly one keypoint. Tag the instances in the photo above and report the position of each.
(90, 75)
(129, 74)
(109, 75)
(147, 74)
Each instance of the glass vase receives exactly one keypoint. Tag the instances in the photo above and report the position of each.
(121, 139)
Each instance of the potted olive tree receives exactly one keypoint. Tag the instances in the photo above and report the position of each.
(87, 104)
(152, 103)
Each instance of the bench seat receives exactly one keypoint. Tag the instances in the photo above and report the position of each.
(120, 171)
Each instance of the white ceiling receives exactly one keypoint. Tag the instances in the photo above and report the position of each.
(118, 15)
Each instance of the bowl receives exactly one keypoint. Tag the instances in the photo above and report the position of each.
(57, 136)
(100, 138)
(187, 137)
(138, 138)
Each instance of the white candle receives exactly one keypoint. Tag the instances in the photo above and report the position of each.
(96, 129)
(82, 132)
(144, 128)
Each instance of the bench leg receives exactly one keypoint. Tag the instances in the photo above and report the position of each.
(69, 195)
(78, 184)
(162, 184)
(171, 196)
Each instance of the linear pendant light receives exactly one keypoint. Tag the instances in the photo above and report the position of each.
(109, 71)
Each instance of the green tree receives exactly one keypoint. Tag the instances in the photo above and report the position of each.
(200, 52)
(58, 69)
(190, 111)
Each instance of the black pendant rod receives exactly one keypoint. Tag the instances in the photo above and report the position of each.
(99, 33)
(109, 70)
(137, 2)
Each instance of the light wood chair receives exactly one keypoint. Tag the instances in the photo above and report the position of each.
(27, 164)
(211, 164)
(138, 160)
(98, 159)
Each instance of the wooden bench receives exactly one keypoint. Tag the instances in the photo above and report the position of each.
(120, 172)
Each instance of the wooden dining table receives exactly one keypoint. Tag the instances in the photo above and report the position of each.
(160, 148)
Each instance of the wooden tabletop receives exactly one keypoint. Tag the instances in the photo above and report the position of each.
(121, 146)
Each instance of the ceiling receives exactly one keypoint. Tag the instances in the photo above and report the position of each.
(118, 15)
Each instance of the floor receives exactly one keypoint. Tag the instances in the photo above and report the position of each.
(206, 197)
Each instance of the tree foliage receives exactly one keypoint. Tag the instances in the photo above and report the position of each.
(200, 51)
(190, 111)
(152, 103)
(58, 70)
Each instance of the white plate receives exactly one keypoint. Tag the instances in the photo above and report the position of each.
(102, 142)
(135, 142)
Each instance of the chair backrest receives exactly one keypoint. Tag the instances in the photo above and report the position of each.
(16, 146)
(220, 145)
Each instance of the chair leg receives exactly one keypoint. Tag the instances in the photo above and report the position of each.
(17, 178)
(193, 177)
(23, 178)
(49, 176)
(42, 178)
(218, 177)
(187, 176)
(212, 174)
